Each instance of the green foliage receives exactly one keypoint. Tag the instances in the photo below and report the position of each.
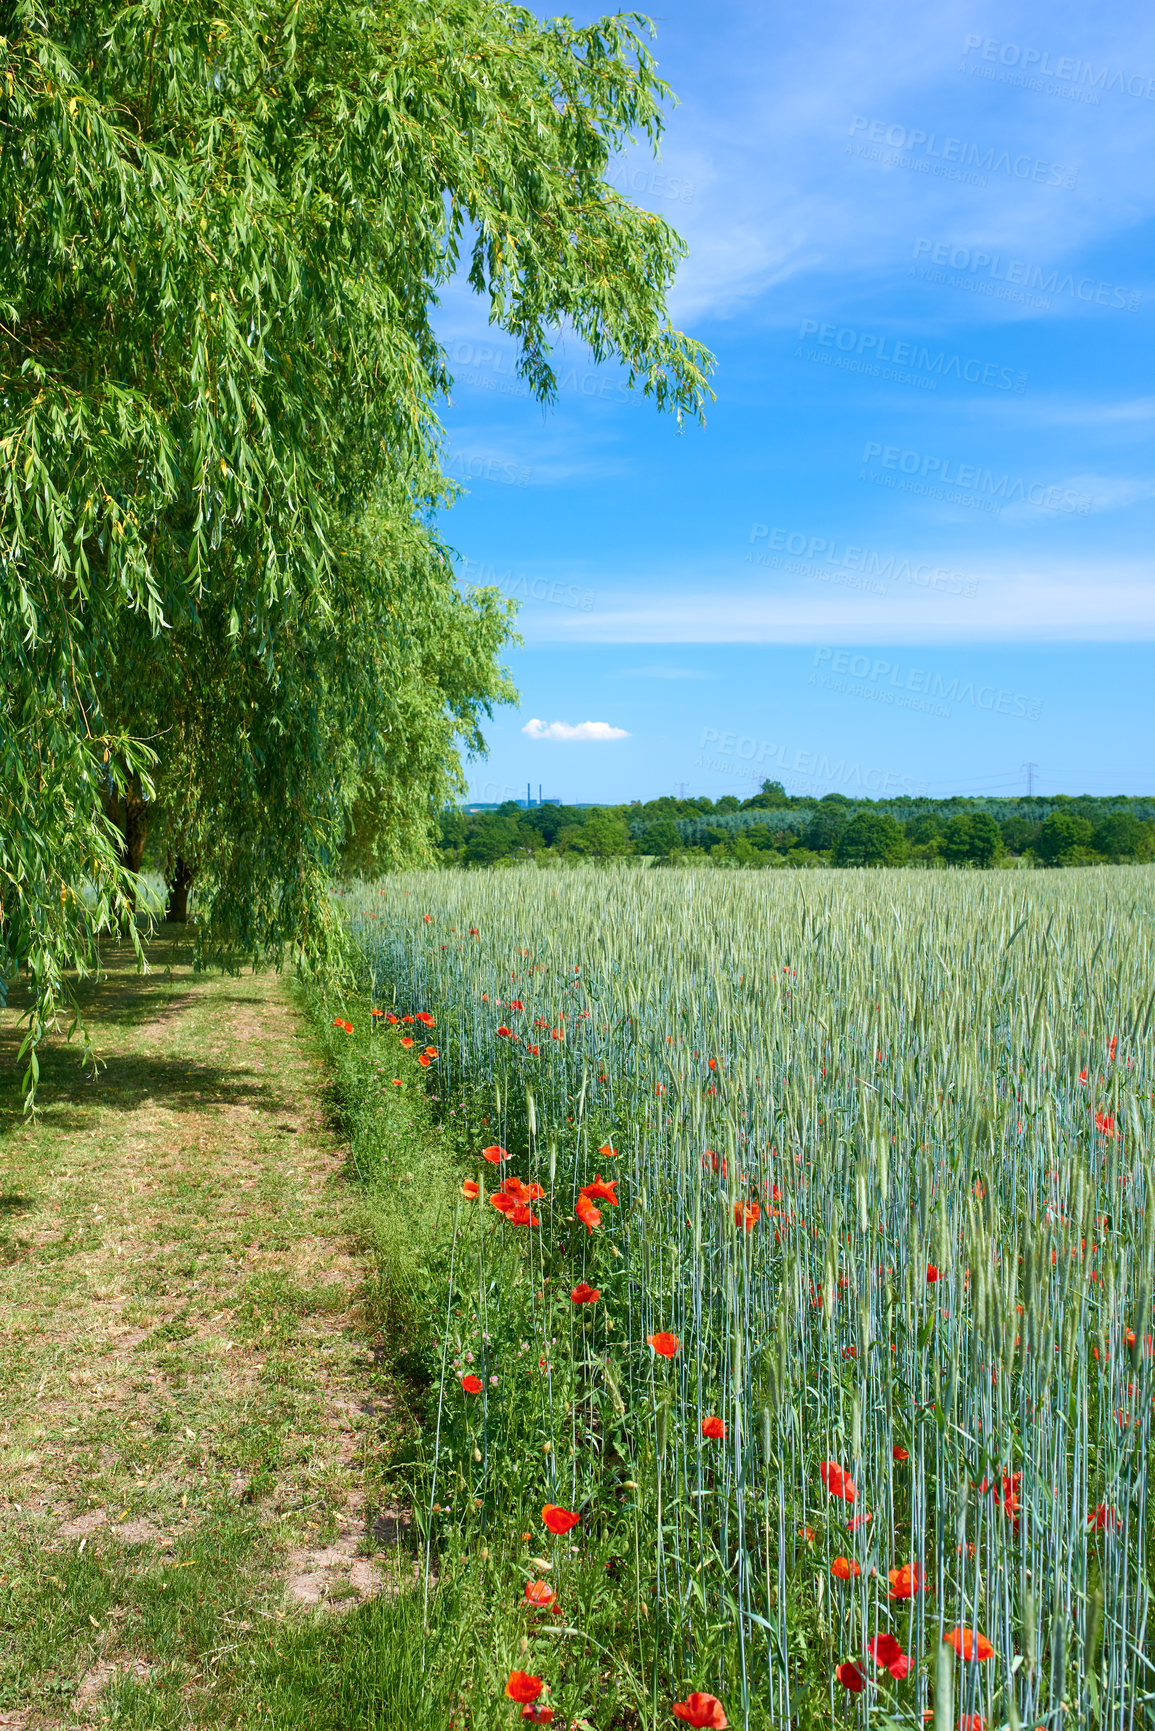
(222, 235)
(972, 838)
(825, 829)
(927, 827)
(661, 838)
(1120, 835)
(60, 881)
(800, 832)
(871, 838)
(1064, 839)
(770, 797)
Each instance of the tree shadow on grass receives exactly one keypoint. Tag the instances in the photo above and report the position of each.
(122, 998)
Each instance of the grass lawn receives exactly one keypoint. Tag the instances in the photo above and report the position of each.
(196, 1383)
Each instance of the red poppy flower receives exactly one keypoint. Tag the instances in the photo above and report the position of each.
(559, 1520)
(503, 1203)
(746, 1214)
(523, 1687)
(1103, 1519)
(608, 1149)
(520, 1190)
(885, 1650)
(601, 1190)
(494, 1155)
(471, 1188)
(898, 1453)
(859, 1521)
(534, 1051)
(851, 1676)
(665, 1345)
(431, 1052)
(376, 1012)
(700, 1710)
(713, 1063)
(837, 1481)
(584, 1294)
(539, 1593)
(340, 1022)
(472, 1384)
(905, 1582)
(424, 1061)
(520, 1215)
(1105, 1124)
(407, 1018)
(397, 1082)
(504, 1033)
(406, 1041)
(517, 1004)
(971, 1722)
(424, 1018)
(557, 1033)
(969, 1644)
(539, 1715)
(843, 1569)
(1009, 1496)
(473, 931)
(714, 1428)
(932, 1274)
(587, 1213)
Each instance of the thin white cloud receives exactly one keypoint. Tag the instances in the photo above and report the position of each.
(1054, 412)
(661, 673)
(1105, 600)
(585, 730)
(829, 210)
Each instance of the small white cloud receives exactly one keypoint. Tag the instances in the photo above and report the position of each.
(584, 730)
(661, 673)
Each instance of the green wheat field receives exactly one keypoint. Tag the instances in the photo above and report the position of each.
(855, 1426)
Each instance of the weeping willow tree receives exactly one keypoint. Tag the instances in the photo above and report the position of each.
(227, 612)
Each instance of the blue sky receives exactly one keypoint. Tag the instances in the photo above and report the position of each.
(912, 545)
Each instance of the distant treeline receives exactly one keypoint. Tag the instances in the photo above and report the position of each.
(773, 829)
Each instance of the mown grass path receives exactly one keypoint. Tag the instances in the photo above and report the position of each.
(187, 1375)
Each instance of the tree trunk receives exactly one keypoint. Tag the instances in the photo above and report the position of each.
(178, 887)
(133, 821)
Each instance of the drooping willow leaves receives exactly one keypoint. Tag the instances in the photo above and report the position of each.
(225, 602)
